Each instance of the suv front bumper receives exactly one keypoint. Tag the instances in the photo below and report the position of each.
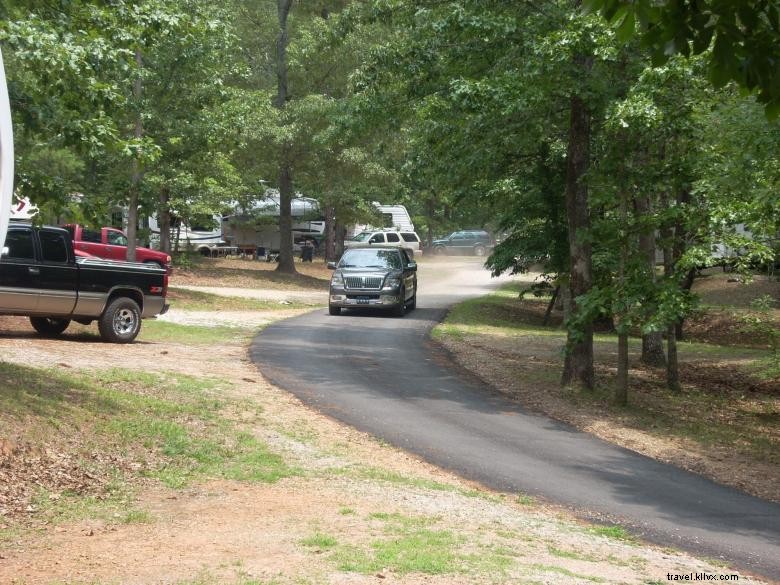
(372, 299)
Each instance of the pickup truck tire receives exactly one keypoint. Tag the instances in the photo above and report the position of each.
(121, 321)
(49, 326)
(334, 310)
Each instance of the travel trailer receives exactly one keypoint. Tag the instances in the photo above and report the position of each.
(203, 239)
(256, 230)
(394, 216)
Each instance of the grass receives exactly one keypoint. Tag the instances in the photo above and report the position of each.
(191, 300)
(613, 531)
(165, 332)
(409, 544)
(169, 425)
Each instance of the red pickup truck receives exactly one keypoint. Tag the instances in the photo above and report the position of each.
(111, 244)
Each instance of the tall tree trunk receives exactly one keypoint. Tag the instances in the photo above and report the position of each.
(286, 260)
(652, 343)
(680, 245)
(578, 366)
(164, 220)
(672, 371)
(330, 234)
(621, 388)
(137, 173)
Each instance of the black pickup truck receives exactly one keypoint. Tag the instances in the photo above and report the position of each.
(41, 277)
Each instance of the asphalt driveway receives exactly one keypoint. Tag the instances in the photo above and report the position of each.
(381, 375)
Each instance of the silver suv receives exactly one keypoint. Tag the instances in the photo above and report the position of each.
(382, 277)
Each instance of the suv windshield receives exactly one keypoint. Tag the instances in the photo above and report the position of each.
(376, 258)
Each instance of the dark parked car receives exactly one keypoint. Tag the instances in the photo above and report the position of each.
(41, 278)
(382, 277)
(465, 243)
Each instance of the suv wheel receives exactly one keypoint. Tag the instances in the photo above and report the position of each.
(121, 321)
(479, 250)
(334, 310)
(439, 250)
(49, 326)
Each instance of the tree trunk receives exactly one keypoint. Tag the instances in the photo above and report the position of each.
(286, 260)
(672, 371)
(652, 343)
(330, 234)
(578, 365)
(551, 305)
(164, 221)
(621, 390)
(137, 173)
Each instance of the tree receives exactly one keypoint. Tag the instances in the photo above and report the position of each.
(739, 38)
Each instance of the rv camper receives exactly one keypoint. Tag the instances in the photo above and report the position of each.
(256, 230)
(204, 239)
(394, 216)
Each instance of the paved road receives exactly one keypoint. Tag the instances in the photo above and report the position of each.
(380, 375)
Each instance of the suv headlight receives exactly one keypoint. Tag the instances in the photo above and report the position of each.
(337, 279)
(392, 281)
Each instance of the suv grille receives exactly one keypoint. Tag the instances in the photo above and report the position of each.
(364, 282)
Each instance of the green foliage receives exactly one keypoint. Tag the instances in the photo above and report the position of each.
(738, 37)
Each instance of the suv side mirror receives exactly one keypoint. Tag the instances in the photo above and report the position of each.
(4, 252)
(411, 266)
(332, 265)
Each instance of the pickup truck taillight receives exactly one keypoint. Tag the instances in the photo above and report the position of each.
(165, 285)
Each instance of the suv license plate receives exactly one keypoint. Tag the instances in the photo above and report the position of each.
(362, 301)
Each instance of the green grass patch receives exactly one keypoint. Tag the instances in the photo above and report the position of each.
(615, 532)
(191, 300)
(415, 545)
(320, 541)
(163, 331)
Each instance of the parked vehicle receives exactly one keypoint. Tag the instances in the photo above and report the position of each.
(468, 242)
(408, 240)
(41, 278)
(204, 239)
(256, 230)
(394, 217)
(111, 244)
(382, 277)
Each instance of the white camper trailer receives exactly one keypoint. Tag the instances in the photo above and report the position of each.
(394, 216)
(204, 239)
(256, 230)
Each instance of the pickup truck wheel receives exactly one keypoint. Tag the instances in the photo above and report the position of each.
(334, 310)
(49, 326)
(121, 321)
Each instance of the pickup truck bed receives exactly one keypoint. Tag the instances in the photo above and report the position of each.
(41, 278)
